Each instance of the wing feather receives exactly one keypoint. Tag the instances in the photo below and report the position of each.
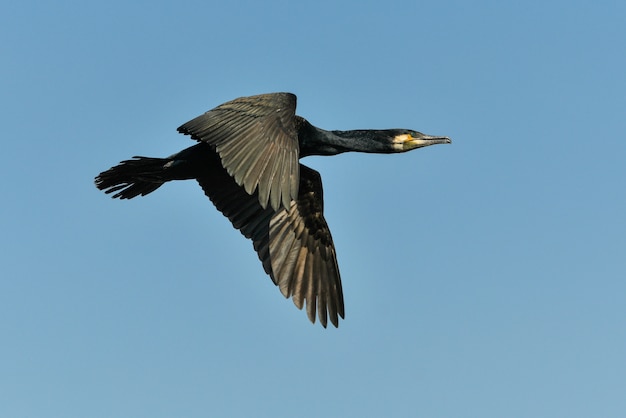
(294, 245)
(257, 142)
(299, 238)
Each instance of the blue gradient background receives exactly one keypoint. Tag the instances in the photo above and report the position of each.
(482, 279)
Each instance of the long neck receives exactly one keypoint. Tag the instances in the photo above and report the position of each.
(315, 141)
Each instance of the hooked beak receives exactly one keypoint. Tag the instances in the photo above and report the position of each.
(408, 142)
(431, 140)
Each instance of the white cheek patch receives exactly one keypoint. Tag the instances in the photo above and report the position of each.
(400, 141)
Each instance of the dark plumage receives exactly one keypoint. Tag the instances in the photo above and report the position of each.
(246, 161)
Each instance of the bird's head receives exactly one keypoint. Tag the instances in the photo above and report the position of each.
(385, 141)
(405, 140)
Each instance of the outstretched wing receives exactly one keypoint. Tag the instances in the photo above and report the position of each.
(257, 141)
(302, 253)
(295, 245)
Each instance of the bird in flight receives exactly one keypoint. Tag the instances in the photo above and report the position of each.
(247, 162)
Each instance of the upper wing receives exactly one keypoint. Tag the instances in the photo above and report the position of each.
(294, 245)
(257, 141)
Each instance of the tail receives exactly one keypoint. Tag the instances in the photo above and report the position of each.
(131, 178)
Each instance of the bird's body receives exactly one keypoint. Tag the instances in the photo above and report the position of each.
(247, 163)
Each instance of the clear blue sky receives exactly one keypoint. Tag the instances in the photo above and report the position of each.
(482, 279)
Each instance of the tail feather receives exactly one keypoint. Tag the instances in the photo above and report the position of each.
(131, 178)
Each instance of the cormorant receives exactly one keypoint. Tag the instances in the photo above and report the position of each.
(246, 161)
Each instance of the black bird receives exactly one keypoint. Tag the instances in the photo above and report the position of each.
(246, 161)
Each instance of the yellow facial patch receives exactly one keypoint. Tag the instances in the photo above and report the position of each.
(401, 142)
(401, 139)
